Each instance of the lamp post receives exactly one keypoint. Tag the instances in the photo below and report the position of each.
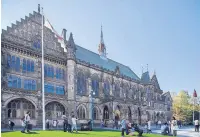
(91, 106)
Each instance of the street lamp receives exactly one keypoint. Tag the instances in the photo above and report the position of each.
(92, 93)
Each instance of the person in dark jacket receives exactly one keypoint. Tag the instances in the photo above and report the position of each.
(65, 122)
(11, 124)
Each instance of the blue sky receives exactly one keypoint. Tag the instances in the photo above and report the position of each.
(164, 34)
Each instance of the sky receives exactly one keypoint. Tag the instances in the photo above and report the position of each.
(163, 34)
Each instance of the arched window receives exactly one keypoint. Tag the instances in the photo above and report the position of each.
(95, 86)
(24, 65)
(18, 83)
(13, 62)
(52, 71)
(10, 81)
(57, 73)
(49, 71)
(33, 85)
(60, 90)
(36, 44)
(32, 66)
(49, 88)
(95, 113)
(9, 61)
(17, 68)
(60, 75)
(18, 107)
(105, 113)
(14, 82)
(117, 90)
(28, 65)
(106, 88)
(81, 83)
(81, 112)
(54, 110)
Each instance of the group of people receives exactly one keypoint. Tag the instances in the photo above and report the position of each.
(69, 123)
(170, 128)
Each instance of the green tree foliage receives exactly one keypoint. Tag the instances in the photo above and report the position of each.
(183, 107)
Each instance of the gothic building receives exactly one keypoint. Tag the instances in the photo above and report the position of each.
(71, 75)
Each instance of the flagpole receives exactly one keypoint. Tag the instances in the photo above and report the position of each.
(43, 97)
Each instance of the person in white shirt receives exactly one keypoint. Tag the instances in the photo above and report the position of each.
(149, 126)
(196, 123)
(74, 123)
(174, 126)
(26, 121)
(159, 123)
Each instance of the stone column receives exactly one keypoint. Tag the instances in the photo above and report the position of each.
(39, 111)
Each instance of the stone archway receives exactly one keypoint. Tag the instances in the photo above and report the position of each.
(17, 108)
(54, 110)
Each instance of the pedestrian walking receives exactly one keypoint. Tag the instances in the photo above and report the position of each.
(74, 123)
(196, 123)
(11, 124)
(69, 124)
(159, 123)
(123, 126)
(65, 122)
(47, 124)
(174, 126)
(149, 126)
(26, 121)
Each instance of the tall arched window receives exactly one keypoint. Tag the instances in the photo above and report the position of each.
(32, 66)
(17, 68)
(105, 113)
(95, 86)
(9, 61)
(13, 62)
(52, 72)
(106, 88)
(28, 65)
(49, 71)
(81, 83)
(81, 112)
(95, 113)
(24, 65)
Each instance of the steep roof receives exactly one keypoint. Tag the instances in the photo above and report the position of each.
(93, 58)
(145, 78)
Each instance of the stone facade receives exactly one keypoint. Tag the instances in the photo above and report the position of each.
(138, 101)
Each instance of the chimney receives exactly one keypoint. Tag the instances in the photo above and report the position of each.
(38, 8)
(64, 34)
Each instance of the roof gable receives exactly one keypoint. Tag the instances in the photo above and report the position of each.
(145, 78)
(93, 58)
(28, 30)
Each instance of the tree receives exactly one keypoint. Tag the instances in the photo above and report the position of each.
(183, 107)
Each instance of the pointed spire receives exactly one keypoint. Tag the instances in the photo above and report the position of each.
(102, 41)
(147, 67)
(71, 40)
(142, 69)
(38, 8)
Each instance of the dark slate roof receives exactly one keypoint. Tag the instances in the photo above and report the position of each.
(93, 58)
(145, 78)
